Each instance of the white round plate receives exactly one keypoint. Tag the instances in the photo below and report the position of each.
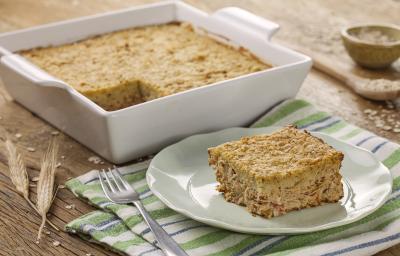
(180, 176)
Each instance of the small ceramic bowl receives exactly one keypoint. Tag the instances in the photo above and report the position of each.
(372, 46)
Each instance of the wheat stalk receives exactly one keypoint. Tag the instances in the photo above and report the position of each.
(19, 175)
(45, 187)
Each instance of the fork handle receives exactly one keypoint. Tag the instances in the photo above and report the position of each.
(165, 241)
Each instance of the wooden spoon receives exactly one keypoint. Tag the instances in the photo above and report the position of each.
(374, 89)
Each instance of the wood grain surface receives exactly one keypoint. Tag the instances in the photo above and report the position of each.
(312, 25)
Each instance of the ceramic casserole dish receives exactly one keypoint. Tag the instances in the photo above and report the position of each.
(142, 129)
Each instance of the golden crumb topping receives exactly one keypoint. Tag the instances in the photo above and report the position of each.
(160, 59)
(280, 153)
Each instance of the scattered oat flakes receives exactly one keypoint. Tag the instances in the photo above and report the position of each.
(101, 162)
(94, 159)
(390, 106)
(385, 118)
(18, 135)
(62, 157)
(30, 149)
(396, 130)
(387, 128)
(56, 243)
(47, 232)
(35, 179)
(58, 165)
(70, 206)
(55, 133)
(88, 254)
(61, 186)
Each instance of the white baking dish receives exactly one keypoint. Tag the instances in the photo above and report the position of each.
(139, 130)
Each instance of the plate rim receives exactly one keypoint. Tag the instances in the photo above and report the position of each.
(265, 231)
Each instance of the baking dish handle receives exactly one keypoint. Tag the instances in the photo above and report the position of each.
(31, 72)
(4, 52)
(240, 17)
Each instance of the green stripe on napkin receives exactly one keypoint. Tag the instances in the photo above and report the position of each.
(121, 228)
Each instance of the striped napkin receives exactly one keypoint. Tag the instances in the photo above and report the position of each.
(120, 227)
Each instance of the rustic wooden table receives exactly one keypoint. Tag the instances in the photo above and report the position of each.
(311, 25)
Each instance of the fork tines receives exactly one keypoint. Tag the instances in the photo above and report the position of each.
(114, 180)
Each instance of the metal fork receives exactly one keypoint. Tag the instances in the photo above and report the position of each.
(119, 191)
